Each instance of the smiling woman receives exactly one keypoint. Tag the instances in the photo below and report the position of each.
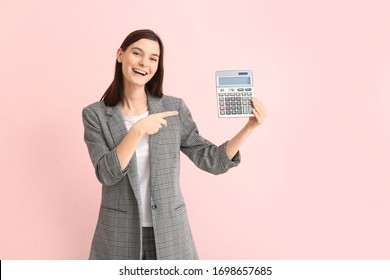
(114, 92)
(136, 152)
(139, 62)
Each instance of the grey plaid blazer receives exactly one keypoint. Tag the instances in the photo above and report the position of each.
(119, 231)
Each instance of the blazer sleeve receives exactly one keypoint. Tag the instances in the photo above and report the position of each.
(105, 161)
(201, 152)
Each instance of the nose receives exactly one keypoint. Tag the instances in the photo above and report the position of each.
(142, 62)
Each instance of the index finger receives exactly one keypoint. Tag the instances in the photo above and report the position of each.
(168, 114)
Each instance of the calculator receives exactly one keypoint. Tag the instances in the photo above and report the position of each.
(234, 93)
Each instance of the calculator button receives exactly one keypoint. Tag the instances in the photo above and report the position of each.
(221, 99)
(232, 94)
(221, 103)
(248, 89)
(228, 112)
(222, 112)
(249, 93)
(245, 110)
(240, 89)
(238, 98)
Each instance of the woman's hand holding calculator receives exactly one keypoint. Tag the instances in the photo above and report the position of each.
(259, 111)
(235, 98)
(260, 114)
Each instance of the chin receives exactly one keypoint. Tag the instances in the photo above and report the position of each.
(137, 82)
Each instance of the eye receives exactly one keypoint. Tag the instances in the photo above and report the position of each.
(136, 53)
(154, 59)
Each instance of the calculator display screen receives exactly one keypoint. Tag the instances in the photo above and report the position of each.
(223, 81)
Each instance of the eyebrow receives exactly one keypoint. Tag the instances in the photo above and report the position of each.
(137, 48)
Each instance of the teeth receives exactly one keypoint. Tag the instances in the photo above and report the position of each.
(139, 72)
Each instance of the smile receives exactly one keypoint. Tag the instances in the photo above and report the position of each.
(138, 71)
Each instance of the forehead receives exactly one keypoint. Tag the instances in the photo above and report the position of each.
(147, 46)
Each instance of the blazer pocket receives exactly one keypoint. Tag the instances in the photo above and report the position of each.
(112, 209)
(180, 207)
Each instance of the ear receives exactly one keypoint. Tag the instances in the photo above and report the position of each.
(119, 55)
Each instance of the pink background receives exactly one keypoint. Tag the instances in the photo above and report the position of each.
(314, 179)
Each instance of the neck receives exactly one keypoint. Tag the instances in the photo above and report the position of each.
(135, 101)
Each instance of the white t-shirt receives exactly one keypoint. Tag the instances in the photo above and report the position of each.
(143, 166)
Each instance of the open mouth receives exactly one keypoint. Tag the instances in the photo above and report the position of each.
(138, 71)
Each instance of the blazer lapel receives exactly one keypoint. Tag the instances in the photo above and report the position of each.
(118, 131)
(155, 106)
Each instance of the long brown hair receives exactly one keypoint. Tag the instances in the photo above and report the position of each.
(114, 92)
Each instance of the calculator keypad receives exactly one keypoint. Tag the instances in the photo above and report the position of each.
(235, 102)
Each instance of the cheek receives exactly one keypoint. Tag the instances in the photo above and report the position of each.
(154, 68)
(126, 72)
(126, 69)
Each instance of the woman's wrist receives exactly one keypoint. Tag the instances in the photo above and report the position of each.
(249, 126)
(136, 130)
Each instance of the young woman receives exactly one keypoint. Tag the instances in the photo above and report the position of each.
(134, 137)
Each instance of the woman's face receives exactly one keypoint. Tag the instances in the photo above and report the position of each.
(139, 61)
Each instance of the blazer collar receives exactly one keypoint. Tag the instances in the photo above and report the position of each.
(154, 106)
